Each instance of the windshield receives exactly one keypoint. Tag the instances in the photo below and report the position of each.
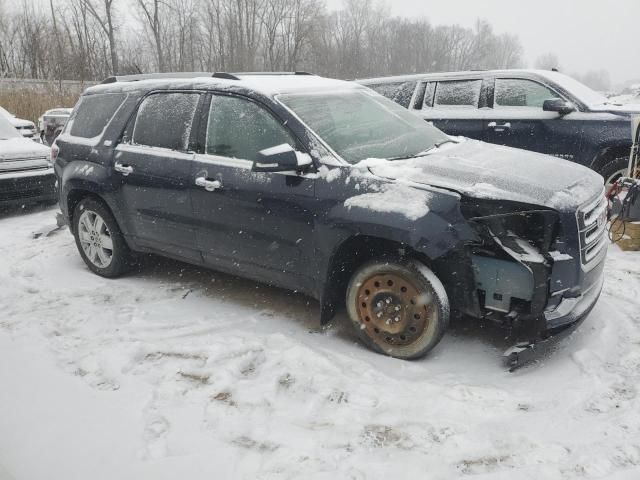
(7, 130)
(360, 124)
(580, 90)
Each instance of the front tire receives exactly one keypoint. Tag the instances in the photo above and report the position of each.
(398, 307)
(99, 239)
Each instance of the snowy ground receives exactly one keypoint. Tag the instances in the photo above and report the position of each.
(176, 372)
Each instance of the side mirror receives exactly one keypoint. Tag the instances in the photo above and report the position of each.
(558, 105)
(281, 158)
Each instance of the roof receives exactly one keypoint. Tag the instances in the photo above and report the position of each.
(478, 73)
(269, 84)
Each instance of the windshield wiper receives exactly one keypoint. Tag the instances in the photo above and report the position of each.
(424, 152)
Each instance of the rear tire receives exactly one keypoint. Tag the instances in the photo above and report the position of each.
(99, 239)
(614, 169)
(398, 307)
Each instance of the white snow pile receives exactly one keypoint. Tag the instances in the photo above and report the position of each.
(178, 372)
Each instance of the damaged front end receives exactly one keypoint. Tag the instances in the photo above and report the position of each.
(527, 272)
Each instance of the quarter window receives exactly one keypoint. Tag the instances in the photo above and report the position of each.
(239, 128)
(93, 113)
(511, 92)
(464, 93)
(164, 120)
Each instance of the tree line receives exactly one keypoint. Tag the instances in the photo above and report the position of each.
(93, 39)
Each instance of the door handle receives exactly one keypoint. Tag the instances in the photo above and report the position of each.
(499, 127)
(123, 169)
(208, 185)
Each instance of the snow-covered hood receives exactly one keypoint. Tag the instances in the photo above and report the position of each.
(22, 148)
(628, 109)
(483, 170)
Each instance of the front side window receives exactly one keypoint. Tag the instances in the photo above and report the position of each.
(511, 92)
(240, 128)
(399, 92)
(164, 120)
(93, 113)
(358, 124)
(459, 93)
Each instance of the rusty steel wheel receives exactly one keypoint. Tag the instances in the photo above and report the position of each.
(399, 308)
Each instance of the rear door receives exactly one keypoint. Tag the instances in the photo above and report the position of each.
(518, 120)
(153, 165)
(454, 106)
(255, 223)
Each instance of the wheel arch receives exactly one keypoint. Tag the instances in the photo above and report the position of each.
(349, 255)
(608, 154)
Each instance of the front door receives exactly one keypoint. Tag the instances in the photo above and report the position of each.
(517, 120)
(255, 223)
(154, 169)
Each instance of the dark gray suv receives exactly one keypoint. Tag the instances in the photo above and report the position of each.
(328, 188)
(538, 110)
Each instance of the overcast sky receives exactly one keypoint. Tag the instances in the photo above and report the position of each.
(585, 34)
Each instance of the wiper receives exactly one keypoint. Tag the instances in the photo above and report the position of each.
(424, 152)
(436, 146)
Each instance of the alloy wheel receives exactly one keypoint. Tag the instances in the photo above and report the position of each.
(95, 239)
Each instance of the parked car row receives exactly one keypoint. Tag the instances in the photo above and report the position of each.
(326, 187)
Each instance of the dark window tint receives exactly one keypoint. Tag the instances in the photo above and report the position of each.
(399, 92)
(164, 120)
(464, 93)
(93, 114)
(521, 93)
(239, 128)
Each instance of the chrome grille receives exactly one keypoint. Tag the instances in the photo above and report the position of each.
(592, 227)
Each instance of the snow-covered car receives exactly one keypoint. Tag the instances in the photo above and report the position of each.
(26, 174)
(25, 127)
(538, 110)
(51, 123)
(328, 188)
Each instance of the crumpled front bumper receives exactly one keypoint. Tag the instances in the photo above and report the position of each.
(560, 323)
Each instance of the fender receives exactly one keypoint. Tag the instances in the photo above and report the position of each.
(89, 177)
(363, 221)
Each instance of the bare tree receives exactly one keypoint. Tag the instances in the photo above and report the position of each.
(106, 22)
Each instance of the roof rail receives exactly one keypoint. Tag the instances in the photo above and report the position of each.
(167, 75)
(273, 73)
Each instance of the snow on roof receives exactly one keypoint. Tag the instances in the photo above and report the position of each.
(268, 85)
(479, 73)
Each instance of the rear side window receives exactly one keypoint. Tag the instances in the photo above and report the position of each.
(164, 120)
(239, 128)
(465, 93)
(511, 92)
(93, 114)
(399, 92)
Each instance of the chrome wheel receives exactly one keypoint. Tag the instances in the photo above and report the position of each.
(95, 239)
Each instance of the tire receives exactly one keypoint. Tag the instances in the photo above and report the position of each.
(99, 239)
(398, 307)
(614, 169)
